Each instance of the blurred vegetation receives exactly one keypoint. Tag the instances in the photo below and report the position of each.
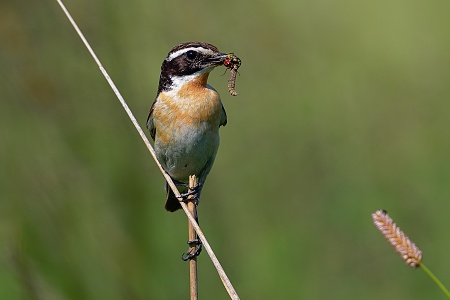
(343, 109)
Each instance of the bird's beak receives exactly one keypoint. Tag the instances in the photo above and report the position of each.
(217, 59)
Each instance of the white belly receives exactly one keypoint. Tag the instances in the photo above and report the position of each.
(190, 152)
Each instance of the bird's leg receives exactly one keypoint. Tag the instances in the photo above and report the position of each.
(195, 244)
(195, 247)
(194, 192)
(179, 183)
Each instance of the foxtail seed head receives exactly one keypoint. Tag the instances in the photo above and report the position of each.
(402, 244)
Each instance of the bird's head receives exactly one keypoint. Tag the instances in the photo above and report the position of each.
(188, 60)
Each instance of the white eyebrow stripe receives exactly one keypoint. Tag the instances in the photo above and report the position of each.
(182, 51)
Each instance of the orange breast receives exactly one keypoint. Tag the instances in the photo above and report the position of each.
(193, 104)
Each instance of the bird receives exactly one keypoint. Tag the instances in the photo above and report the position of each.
(185, 116)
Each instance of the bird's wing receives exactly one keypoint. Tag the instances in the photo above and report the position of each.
(223, 117)
(150, 123)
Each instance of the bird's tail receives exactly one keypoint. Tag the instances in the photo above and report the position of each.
(172, 202)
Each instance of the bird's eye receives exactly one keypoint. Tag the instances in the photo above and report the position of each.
(191, 54)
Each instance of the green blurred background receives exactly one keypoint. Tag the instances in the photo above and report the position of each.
(343, 109)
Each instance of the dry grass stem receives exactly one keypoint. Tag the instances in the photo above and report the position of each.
(402, 244)
(192, 236)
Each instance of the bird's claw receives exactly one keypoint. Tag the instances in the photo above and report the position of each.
(195, 247)
(189, 196)
(192, 195)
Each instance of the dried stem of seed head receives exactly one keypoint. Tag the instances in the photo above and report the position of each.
(402, 244)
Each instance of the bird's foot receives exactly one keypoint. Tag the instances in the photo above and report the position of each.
(195, 247)
(192, 195)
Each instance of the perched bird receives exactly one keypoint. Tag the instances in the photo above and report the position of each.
(185, 117)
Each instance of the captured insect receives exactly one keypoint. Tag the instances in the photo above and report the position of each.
(233, 63)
